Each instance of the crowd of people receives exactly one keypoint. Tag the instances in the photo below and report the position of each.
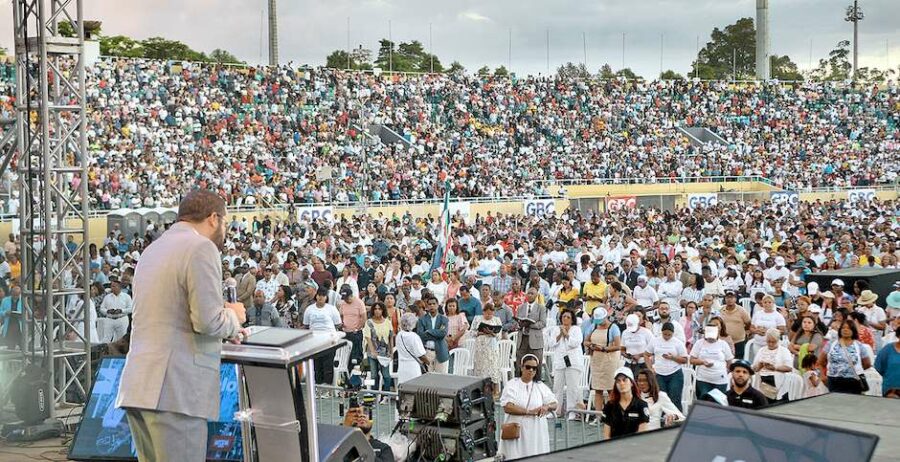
(658, 307)
(282, 135)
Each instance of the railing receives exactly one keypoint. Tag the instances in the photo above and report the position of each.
(653, 180)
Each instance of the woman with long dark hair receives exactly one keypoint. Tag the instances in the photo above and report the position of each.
(657, 401)
(625, 413)
(846, 359)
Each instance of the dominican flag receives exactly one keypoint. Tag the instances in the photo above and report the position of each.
(443, 253)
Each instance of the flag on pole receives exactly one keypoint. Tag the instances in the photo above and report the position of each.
(442, 252)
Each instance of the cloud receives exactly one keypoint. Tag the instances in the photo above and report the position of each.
(474, 16)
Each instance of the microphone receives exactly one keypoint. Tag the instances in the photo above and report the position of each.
(231, 290)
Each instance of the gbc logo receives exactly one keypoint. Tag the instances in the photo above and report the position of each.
(540, 208)
(702, 200)
(861, 195)
(619, 203)
(790, 198)
(316, 213)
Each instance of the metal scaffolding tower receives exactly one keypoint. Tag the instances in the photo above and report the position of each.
(51, 159)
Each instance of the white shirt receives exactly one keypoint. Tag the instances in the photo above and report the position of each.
(322, 319)
(658, 408)
(570, 346)
(638, 342)
(116, 302)
(438, 290)
(718, 353)
(678, 332)
(644, 296)
(874, 315)
(670, 292)
(762, 319)
(661, 346)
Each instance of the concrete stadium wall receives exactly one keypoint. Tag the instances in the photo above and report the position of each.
(840, 195)
(577, 191)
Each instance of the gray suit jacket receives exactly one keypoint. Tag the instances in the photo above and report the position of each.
(538, 312)
(178, 325)
(245, 289)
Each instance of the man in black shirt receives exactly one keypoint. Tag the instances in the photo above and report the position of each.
(356, 417)
(742, 394)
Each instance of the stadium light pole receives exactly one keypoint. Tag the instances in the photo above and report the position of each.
(855, 15)
(273, 33)
(548, 52)
(623, 50)
(390, 48)
(509, 52)
(431, 47)
(661, 44)
(584, 44)
(349, 65)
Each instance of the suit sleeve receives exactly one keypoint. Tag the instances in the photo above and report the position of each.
(205, 301)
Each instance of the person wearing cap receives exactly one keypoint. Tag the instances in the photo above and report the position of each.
(777, 271)
(737, 322)
(527, 402)
(713, 356)
(267, 284)
(625, 413)
(353, 319)
(603, 344)
(636, 341)
(875, 315)
(643, 293)
(322, 316)
(668, 354)
(742, 394)
(837, 288)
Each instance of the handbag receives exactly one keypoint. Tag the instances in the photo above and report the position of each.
(863, 383)
(512, 430)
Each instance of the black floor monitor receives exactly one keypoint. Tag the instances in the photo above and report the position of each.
(727, 434)
(103, 434)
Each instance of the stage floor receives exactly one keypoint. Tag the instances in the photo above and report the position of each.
(868, 414)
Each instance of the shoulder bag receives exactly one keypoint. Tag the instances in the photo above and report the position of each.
(512, 430)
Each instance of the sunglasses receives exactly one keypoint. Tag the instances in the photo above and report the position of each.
(530, 368)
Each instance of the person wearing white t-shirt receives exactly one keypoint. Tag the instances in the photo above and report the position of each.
(643, 294)
(876, 318)
(636, 340)
(713, 356)
(762, 321)
(665, 316)
(778, 271)
(669, 353)
(323, 317)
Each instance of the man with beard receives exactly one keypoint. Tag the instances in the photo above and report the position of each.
(356, 417)
(742, 394)
(180, 319)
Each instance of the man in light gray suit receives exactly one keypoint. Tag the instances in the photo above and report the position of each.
(532, 317)
(170, 385)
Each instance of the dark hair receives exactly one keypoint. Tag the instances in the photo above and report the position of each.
(853, 329)
(809, 362)
(322, 291)
(668, 326)
(651, 379)
(199, 204)
(615, 396)
(858, 317)
(288, 292)
(381, 307)
(565, 312)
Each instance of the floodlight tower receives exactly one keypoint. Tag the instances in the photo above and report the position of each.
(854, 15)
(273, 33)
(763, 43)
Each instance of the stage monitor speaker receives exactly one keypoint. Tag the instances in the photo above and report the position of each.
(337, 444)
(446, 398)
(30, 393)
(465, 443)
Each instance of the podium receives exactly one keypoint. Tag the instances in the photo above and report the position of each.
(277, 402)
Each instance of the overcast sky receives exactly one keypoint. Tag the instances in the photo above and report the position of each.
(477, 32)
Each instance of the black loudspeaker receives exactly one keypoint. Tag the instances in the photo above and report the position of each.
(474, 441)
(449, 399)
(30, 394)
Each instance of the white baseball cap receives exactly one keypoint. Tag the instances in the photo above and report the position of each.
(632, 323)
(779, 261)
(812, 288)
(837, 282)
(626, 372)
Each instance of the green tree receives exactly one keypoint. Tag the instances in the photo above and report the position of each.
(627, 73)
(501, 71)
(386, 55)
(361, 57)
(732, 47)
(426, 63)
(2, 51)
(671, 75)
(837, 66)
(606, 72)
(222, 56)
(339, 59)
(120, 45)
(784, 69)
(65, 29)
(571, 70)
(484, 71)
(162, 48)
(456, 68)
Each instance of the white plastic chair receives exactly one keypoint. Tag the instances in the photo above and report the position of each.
(342, 357)
(469, 344)
(585, 385)
(793, 383)
(690, 386)
(507, 360)
(513, 337)
(461, 361)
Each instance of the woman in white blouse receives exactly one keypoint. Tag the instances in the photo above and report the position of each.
(772, 362)
(564, 345)
(410, 350)
(437, 286)
(657, 401)
(527, 403)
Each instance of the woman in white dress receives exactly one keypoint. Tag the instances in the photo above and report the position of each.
(410, 351)
(527, 403)
(564, 345)
(657, 401)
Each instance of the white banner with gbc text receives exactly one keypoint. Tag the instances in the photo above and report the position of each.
(701, 200)
(540, 207)
(315, 213)
(790, 198)
(860, 195)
